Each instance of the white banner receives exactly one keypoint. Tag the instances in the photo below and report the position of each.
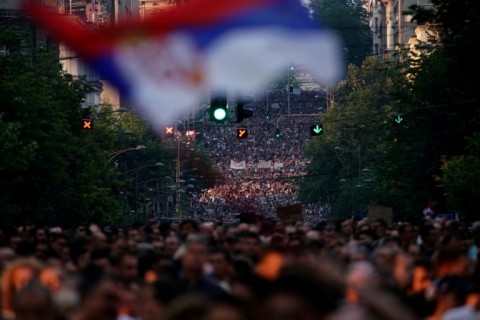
(278, 165)
(264, 164)
(241, 165)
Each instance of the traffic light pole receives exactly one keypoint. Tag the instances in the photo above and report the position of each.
(288, 95)
(177, 180)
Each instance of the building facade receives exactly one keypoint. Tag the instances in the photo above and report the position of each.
(11, 15)
(392, 28)
(90, 14)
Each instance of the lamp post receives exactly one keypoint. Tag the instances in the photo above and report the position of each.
(119, 152)
(190, 117)
(292, 68)
(178, 173)
(157, 191)
(178, 190)
(177, 179)
(153, 187)
(136, 170)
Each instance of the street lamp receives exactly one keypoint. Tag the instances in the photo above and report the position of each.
(119, 152)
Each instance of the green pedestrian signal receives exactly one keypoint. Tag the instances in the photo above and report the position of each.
(398, 118)
(316, 129)
(218, 109)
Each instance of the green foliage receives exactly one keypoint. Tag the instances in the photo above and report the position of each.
(426, 157)
(49, 172)
(54, 172)
(445, 84)
(349, 19)
(371, 161)
(322, 181)
(344, 162)
(462, 180)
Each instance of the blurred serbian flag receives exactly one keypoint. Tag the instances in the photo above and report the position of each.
(167, 64)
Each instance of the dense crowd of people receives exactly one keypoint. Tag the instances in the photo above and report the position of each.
(262, 172)
(227, 265)
(195, 270)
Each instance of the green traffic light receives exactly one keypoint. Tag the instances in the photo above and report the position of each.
(398, 118)
(316, 129)
(219, 108)
(220, 114)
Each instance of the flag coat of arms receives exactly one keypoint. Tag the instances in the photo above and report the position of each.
(166, 64)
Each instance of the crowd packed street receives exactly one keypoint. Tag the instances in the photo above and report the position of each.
(195, 270)
(140, 181)
(261, 172)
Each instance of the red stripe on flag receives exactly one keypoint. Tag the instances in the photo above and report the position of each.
(89, 43)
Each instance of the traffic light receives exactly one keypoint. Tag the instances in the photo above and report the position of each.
(277, 133)
(87, 124)
(241, 111)
(169, 132)
(398, 118)
(242, 133)
(316, 129)
(218, 109)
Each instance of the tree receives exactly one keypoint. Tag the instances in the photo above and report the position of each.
(426, 156)
(446, 95)
(51, 172)
(58, 173)
(344, 161)
(350, 20)
(322, 181)
(462, 180)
